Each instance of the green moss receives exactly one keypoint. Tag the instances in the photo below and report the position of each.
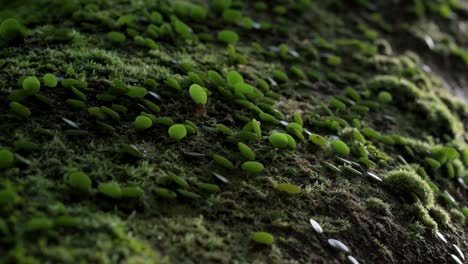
(408, 184)
(439, 215)
(379, 206)
(263, 238)
(423, 215)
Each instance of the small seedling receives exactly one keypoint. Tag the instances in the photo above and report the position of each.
(38, 224)
(31, 85)
(223, 161)
(385, 97)
(137, 92)
(279, 140)
(262, 238)
(252, 166)
(340, 148)
(80, 181)
(288, 188)
(11, 30)
(178, 180)
(132, 192)
(198, 94)
(177, 131)
(116, 37)
(20, 110)
(110, 189)
(7, 158)
(211, 188)
(165, 193)
(228, 37)
(246, 151)
(142, 122)
(318, 140)
(234, 77)
(49, 80)
(8, 197)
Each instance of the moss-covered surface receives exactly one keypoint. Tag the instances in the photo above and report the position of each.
(85, 177)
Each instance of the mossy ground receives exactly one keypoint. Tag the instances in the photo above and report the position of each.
(69, 39)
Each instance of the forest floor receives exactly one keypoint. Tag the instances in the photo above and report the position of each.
(143, 131)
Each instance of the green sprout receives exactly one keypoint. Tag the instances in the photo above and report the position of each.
(198, 94)
(132, 192)
(110, 189)
(142, 122)
(79, 180)
(7, 158)
(318, 140)
(38, 224)
(246, 151)
(177, 131)
(137, 92)
(8, 198)
(223, 161)
(334, 60)
(252, 166)
(20, 110)
(432, 163)
(224, 129)
(288, 188)
(208, 187)
(280, 76)
(228, 37)
(11, 30)
(385, 97)
(262, 238)
(233, 77)
(279, 140)
(172, 83)
(340, 148)
(116, 37)
(177, 180)
(49, 80)
(31, 85)
(164, 193)
(216, 78)
(22, 144)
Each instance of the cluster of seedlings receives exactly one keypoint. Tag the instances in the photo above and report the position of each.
(186, 107)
